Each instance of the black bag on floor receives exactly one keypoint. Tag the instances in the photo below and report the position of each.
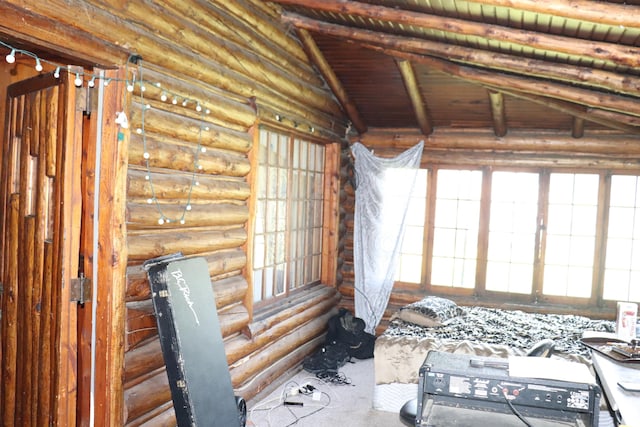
(345, 328)
(328, 359)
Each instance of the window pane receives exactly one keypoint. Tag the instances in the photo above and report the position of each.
(409, 268)
(288, 221)
(455, 238)
(622, 268)
(571, 228)
(512, 229)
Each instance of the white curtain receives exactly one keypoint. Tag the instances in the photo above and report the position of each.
(383, 190)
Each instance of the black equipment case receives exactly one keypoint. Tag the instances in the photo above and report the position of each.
(466, 391)
(192, 344)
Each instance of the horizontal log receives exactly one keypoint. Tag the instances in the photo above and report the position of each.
(169, 27)
(250, 367)
(146, 244)
(143, 397)
(273, 373)
(218, 106)
(174, 185)
(145, 358)
(233, 319)
(598, 143)
(608, 52)
(177, 155)
(161, 416)
(184, 128)
(140, 323)
(297, 304)
(146, 215)
(234, 29)
(239, 348)
(219, 262)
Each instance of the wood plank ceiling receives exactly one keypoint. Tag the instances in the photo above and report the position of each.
(567, 66)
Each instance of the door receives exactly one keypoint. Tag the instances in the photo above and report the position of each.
(40, 214)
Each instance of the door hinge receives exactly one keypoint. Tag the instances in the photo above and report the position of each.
(81, 289)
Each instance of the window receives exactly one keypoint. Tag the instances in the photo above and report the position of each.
(622, 268)
(287, 238)
(455, 233)
(409, 267)
(571, 234)
(529, 232)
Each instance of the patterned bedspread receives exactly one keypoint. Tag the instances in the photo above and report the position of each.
(512, 328)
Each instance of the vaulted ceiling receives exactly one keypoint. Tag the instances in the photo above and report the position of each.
(567, 66)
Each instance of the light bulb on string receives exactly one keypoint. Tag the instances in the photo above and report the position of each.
(56, 73)
(92, 82)
(161, 221)
(78, 80)
(174, 101)
(184, 103)
(163, 97)
(11, 57)
(198, 107)
(38, 65)
(106, 82)
(130, 87)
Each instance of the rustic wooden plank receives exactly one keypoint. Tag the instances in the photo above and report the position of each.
(608, 52)
(187, 129)
(176, 185)
(178, 154)
(331, 214)
(220, 262)
(53, 100)
(498, 113)
(415, 95)
(332, 80)
(596, 78)
(111, 259)
(27, 325)
(10, 316)
(46, 394)
(148, 245)
(146, 215)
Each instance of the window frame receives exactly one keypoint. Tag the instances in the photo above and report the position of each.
(479, 292)
(329, 202)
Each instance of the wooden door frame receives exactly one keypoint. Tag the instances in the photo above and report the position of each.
(105, 265)
(105, 262)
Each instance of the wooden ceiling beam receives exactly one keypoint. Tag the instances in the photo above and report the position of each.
(411, 84)
(582, 10)
(332, 80)
(614, 120)
(585, 76)
(498, 114)
(523, 85)
(611, 53)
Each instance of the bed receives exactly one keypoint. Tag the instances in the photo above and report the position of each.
(439, 324)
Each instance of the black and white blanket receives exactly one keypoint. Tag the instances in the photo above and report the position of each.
(513, 328)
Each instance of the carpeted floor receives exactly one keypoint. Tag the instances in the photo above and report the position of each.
(324, 404)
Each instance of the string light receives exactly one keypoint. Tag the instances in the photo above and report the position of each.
(130, 87)
(11, 57)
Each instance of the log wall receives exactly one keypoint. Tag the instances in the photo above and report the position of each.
(238, 60)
